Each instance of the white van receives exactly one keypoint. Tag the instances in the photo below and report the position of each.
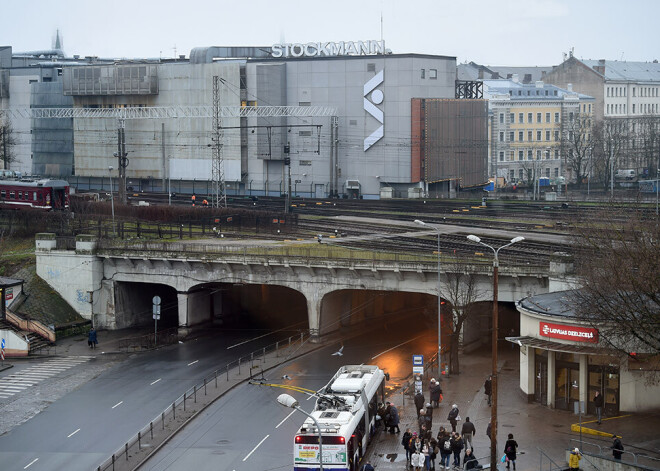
(625, 174)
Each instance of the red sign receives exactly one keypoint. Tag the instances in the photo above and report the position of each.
(568, 332)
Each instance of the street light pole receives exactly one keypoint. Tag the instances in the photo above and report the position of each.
(289, 401)
(493, 410)
(112, 202)
(440, 372)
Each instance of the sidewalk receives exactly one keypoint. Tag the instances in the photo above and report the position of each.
(533, 426)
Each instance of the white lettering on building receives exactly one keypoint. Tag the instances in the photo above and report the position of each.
(547, 330)
(320, 49)
(371, 108)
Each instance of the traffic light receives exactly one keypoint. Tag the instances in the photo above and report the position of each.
(287, 160)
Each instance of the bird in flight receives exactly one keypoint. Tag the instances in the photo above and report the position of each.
(339, 352)
(286, 377)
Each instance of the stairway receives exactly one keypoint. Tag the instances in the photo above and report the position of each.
(35, 341)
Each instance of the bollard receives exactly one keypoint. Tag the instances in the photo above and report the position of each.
(174, 410)
(277, 348)
(139, 440)
(126, 446)
(184, 402)
(227, 372)
(216, 379)
(151, 429)
(239, 366)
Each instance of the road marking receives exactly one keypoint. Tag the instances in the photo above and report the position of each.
(119, 403)
(396, 346)
(31, 463)
(283, 420)
(155, 381)
(72, 434)
(192, 363)
(255, 448)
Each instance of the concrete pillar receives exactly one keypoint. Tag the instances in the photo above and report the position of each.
(182, 299)
(584, 380)
(527, 378)
(551, 379)
(314, 316)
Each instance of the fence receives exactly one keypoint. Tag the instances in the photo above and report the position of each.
(185, 405)
(594, 449)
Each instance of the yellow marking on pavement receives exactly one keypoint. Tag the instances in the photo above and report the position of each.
(591, 431)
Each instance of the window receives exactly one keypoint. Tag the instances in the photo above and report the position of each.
(547, 172)
(590, 108)
(529, 117)
(3, 194)
(547, 117)
(304, 162)
(512, 156)
(538, 135)
(538, 154)
(529, 154)
(556, 135)
(305, 133)
(556, 172)
(423, 74)
(520, 174)
(501, 136)
(547, 135)
(513, 175)
(520, 136)
(538, 117)
(521, 118)
(511, 136)
(521, 155)
(20, 195)
(12, 195)
(529, 136)
(433, 74)
(501, 156)
(570, 117)
(556, 117)
(501, 118)
(556, 154)
(634, 92)
(608, 108)
(512, 117)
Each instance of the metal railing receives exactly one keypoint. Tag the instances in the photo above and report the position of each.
(243, 365)
(640, 459)
(551, 465)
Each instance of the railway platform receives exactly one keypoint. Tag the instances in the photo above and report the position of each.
(542, 433)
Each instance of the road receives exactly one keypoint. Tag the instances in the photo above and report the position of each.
(248, 430)
(83, 428)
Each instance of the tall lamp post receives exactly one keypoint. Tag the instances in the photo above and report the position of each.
(112, 201)
(493, 410)
(289, 401)
(440, 372)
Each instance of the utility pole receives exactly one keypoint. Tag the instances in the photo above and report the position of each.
(611, 169)
(4, 146)
(218, 197)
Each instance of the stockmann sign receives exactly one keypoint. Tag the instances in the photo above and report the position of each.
(322, 49)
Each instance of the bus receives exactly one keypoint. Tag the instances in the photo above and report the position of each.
(345, 410)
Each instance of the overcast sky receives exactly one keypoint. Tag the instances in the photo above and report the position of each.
(489, 32)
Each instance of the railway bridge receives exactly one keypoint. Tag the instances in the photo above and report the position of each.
(271, 283)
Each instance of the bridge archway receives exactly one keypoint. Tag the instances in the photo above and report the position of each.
(134, 304)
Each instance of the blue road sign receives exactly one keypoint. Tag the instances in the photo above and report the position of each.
(418, 364)
(3, 344)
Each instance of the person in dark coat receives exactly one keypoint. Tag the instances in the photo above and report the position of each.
(488, 388)
(444, 443)
(617, 447)
(510, 448)
(393, 422)
(456, 448)
(488, 431)
(91, 338)
(429, 416)
(468, 432)
(419, 401)
(469, 460)
(436, 393)
(598, 402)
(367, 467)
(406, 441)
(380, 413)
(453, 414)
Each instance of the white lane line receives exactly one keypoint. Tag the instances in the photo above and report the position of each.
(31, 463)
(72, 434)
(396, 346)
(255, 448)
(155, 381)
(283, 420)
(192, 363)
(119, 403)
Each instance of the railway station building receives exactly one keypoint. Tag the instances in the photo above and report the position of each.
(563, 361)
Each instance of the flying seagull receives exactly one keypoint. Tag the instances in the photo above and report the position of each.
(286, 377)
(339, 352)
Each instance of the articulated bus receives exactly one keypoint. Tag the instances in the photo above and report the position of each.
(346, 413)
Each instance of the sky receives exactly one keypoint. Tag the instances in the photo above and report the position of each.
(488, 32)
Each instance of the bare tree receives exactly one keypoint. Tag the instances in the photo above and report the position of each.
(618, 265)
(610, 139)
(577, 144)
(646, 143)
(7, 142)
(460, 289)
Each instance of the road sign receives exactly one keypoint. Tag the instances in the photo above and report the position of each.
(157, 317)
(156, 309)
(156, 300)
(418, 364)
(3, 344)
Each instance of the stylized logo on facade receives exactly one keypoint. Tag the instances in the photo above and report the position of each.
(568, 332)
(371, 108)
(319, 49)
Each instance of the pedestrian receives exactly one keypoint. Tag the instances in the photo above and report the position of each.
(433, 446)
(419, 401)
(192, 198)
(421, 421)
(426, 451)
(393, 421)
(468, 432)
(91, 338)
(574, 460)
(456, 448)
(488, 388)
(510, 448)
(429, 416)
(435, 392)
(598, 402)
(617, 447)
(417, 460)
(406, 441)
(445, 450)
(453, 417)
(488, 431)
(470, 461)
(367, 466)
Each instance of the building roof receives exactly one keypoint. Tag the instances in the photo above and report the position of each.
(629, 71)
(474, 71)
(558, 304)
(9, 282)
(533, 91)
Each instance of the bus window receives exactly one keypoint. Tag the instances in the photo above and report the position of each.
(20, 195)
(3, 194)
(12, 195)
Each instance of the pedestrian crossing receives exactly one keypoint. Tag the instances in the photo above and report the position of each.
(15, 383)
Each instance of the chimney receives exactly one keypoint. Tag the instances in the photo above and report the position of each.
(539, 84)
(515, 78)
(569, 87)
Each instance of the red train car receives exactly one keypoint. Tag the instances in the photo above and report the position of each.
(44, 194)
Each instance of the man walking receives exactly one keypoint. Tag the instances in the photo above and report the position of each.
(468, 432)
(617, 448)
(488, 388)
(419, 401)
(598, 402)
